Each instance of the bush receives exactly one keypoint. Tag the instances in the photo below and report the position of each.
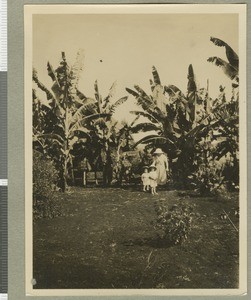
(207, 179)
(45, 178)
(173, 225)
(214, 178)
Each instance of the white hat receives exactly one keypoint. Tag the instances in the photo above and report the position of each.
(158, 151)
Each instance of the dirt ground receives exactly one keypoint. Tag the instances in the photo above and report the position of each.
(105, 239)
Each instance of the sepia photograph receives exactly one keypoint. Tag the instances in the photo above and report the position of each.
(135, 149)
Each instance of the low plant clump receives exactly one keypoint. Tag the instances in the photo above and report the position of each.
(173, 224)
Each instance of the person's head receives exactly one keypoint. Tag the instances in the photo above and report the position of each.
(158, 152)
(152, 168)
(145, 169)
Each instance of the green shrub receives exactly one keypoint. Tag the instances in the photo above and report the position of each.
(207, 179)
(173, 225)
(213, 178)
(45, 178)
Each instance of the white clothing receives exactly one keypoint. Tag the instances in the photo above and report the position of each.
(161, 163)
(145, 179)
(153, 178)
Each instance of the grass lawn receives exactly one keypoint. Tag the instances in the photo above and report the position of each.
(105, 239)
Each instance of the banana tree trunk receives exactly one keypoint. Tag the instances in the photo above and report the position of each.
(72, 171)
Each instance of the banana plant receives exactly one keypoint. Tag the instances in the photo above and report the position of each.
(177, 126)
(59, 119)
(102, 126)
(170, 114)
(227, 112)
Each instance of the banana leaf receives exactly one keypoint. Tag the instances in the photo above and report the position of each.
(85, 120)
(52, 73)
(142, 93)
(227, 68)
(117, 103)
(151, 138)
(152, 85)
(147, 115)
(156, 77)
(148, 105)
(144, 127)
(132, 92)
(110, 94)
(88, 104)
(232, 57)
(52, 137)
(42, 86)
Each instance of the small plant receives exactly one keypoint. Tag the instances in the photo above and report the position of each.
(173, 224)
(45, 177)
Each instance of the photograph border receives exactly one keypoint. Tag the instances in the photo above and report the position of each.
(25, 169)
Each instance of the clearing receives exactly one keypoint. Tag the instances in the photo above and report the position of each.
(105, 239)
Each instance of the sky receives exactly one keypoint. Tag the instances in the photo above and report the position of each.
(124, 47)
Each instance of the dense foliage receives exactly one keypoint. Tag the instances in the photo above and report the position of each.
(45, 179)
(69, 126)
(199, 134)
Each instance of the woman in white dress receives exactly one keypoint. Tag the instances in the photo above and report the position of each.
(161, 163)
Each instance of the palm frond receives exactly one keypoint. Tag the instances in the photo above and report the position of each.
(227, 68)
(96, 90)
(88, 104)
(148, 104)
(117, 103)
(51, 136)
(152, 85)
(134, 121)
(146, 115)
(173, 90)
(156, 77)
(42, 86)
(52, 73)
(132, 92)
(191, 86)
(110, 94)
(232, 57)
(80, 95)
(144, 127)
(151, 138)
(81, 130)
(85, 120)
(97, 95)
(142, 93)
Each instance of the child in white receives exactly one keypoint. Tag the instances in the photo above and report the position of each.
(145, 179)
(153, 179)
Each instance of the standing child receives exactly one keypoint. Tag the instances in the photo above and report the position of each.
(145, 179)
(153, 179)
